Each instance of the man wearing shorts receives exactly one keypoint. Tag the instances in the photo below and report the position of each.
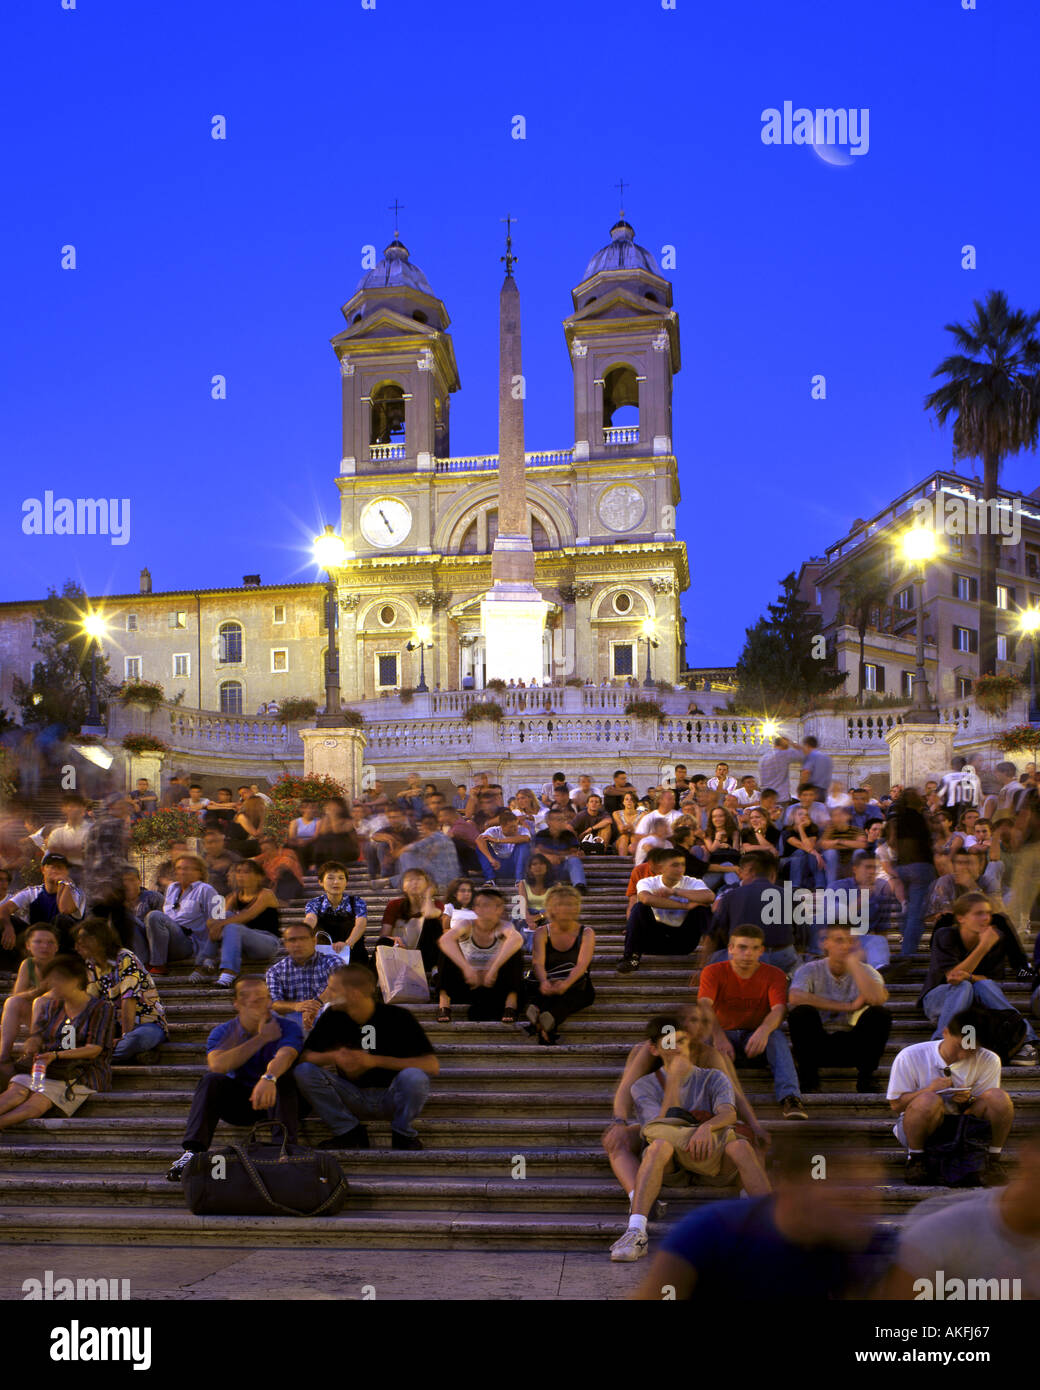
(687, 1114)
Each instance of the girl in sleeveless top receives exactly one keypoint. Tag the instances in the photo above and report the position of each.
(482, 964)
(249, 930)
(534, 889)
(560, 959)
(41, 945)
(458, 904)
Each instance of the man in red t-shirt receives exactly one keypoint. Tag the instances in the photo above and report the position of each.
(750, 1000)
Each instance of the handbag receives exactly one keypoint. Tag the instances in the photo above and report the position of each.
(264, 1178)
(402, 976)
(327, 947)
(955, 1154)
(1002, 1031)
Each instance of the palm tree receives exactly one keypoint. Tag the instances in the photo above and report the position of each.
(862, 588)
(992, 389)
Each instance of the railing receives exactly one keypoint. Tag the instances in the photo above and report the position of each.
(379, 453)
(482, 463)
(231, 734)
(621, 434)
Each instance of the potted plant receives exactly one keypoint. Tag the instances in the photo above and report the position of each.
(644, 709)
(995, 693)
(1023, 738)
(483, 711)
(293, 790)
(156, 832)
(143, 743)
(137, 692)
(496, 684)
(296, 709)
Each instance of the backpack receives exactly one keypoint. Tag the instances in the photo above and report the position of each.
(1003, 1031)
(955, 1154)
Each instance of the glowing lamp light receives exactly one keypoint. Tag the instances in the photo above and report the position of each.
(95, 626)
(424, 633)
(1029, 620)
(919, 544)
(648, 627)
(770, 728)
(329, 549)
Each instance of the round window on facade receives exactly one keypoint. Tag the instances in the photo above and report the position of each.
(622, 603)
(387, 615)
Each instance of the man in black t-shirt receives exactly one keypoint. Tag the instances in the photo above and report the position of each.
(365, 1060)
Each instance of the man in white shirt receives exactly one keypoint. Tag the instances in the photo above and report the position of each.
(959, 787)
(1006, 797)
(669, 917)
(69, 839)
(722, 781)
(666, 811)
(979, 1239)
(747, 792)
(835, 1012)
(930, 1080)
(585, 789)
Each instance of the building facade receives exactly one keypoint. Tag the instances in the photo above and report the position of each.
(950, 590)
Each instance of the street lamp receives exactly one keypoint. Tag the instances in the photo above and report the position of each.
(651, 641)
(423, 645)
(328, 554)
(1029, 623)
(919, 546)
(94, 629)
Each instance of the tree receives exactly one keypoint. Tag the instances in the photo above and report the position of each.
(863, 587)
(58, 692)
(784, 665)
(993, 392)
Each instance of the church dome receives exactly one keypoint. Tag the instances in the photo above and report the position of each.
(622, 254)
(395, 271)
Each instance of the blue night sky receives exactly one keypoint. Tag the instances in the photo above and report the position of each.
(198, 257)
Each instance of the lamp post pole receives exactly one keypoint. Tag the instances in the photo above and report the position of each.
(331, 719)
(923, 712)
(93, 714)
(422, 688)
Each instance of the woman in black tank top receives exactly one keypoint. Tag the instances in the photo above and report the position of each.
(561, 954)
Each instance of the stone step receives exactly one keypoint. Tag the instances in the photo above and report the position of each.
(593, 1099)
(446, 1228)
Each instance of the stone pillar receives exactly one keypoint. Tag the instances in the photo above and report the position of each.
(351, 684)
(336, 753)
(148, 765)
(918, 752)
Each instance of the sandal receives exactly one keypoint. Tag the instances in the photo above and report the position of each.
(444, 1014)
(508, 1015)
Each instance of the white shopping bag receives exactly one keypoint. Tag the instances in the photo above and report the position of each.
(402, 978)
(328, 948)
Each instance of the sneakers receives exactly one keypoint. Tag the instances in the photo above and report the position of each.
(203, 973)
(225, 980)
(356, 1138)
(916, 1171)
(626, 966)
(1026, 1056)
(176, 1169)
(792, 1108)
(995, 1174)
(633, 1245)
(404, 1141)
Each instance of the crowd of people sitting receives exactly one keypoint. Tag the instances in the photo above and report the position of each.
(783, 904)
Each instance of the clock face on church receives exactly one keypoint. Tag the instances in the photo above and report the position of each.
(622, 507)
(386, 522)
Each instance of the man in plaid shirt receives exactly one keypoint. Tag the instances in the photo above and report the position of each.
(298, 980)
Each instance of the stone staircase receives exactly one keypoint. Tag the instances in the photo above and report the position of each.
(99, 1176)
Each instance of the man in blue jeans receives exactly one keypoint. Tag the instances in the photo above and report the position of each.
(504, 849)
(969, 947)
(560, 846)
(365, 1060)
(750, 1001)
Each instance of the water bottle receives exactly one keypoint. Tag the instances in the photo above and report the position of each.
(39, 1071)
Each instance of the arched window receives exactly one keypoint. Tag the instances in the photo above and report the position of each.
(468, 544)
(420, 317)
(539, 536)
(231, 697)
(387, 414)
(620, 398)
(230, 644)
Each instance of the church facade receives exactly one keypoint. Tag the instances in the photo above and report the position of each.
(420, 525)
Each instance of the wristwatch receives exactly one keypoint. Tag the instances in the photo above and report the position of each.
(268, 1077)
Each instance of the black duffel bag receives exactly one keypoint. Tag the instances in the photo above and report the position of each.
(955, 1154)
(264, 1179)
(1003, 1031)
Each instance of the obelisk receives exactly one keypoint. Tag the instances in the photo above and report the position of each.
(512, 612)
